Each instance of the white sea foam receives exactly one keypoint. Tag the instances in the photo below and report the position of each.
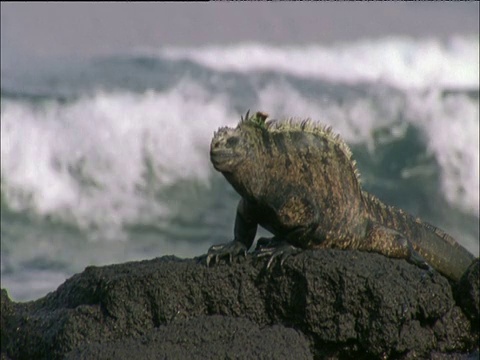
(85, 160)
(452, 127)
(397, 61)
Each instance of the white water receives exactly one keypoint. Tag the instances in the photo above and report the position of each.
(400, 62)
(106, 138)
(108, 135)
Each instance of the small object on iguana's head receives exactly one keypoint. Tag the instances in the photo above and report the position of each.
(262, 116)
(258, 118)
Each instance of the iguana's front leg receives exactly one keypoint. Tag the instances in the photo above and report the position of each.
(244, 233)
(300, 216)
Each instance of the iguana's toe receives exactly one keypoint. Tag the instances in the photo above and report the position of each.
(230, 250)
(417, 259)
(282, 250)
(414, 257)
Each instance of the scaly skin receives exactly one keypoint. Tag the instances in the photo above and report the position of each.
(298, 180)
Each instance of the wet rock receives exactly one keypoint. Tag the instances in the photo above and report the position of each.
(332, 303)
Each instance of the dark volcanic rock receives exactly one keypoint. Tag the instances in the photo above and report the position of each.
(468, 293)
(343, 304)
(204, 337)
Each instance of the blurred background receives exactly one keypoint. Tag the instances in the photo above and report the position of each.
(108, 109)
(84, 29)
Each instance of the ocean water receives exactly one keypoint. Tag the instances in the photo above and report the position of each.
(106, 160)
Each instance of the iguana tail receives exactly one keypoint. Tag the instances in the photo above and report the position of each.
(438, 248)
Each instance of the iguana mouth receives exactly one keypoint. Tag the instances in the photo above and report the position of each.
(220, 159)
(222, 155)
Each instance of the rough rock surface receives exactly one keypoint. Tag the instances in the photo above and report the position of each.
(204, 337)
(468, 293)
(332, 303)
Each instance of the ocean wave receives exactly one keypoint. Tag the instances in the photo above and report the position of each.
(400, 62)
(451, 125)
(92, 160)
(103, 159)
(101, 149)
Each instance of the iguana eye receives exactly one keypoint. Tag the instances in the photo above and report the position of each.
(231, 142)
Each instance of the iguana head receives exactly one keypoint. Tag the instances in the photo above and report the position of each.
(230, 147)
(259, 157)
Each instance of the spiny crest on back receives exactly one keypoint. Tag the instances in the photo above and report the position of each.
(259, 120)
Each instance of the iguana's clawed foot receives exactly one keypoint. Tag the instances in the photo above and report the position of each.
(397, 245)
(428, 274)
(416, 259)
(267, 247)
(413, 257)
(230, 250)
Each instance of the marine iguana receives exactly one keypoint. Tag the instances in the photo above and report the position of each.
(298, 180)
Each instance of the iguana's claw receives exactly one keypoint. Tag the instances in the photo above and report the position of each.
(231, 249)
(414, 257)
(283, 250)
